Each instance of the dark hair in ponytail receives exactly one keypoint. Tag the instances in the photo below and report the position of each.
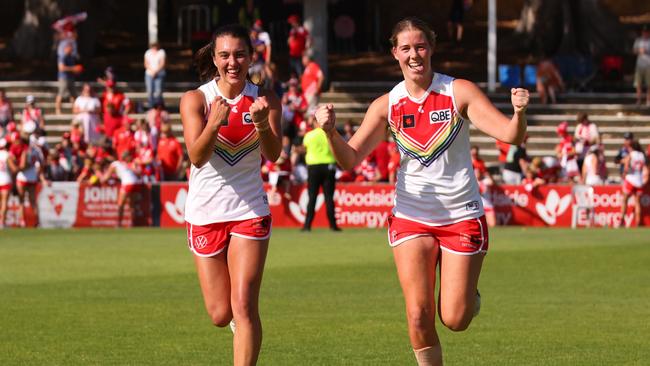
(203, 58)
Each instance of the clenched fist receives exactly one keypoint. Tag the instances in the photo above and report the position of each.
(219, 111)
(325, 117)
(260, 114)
(519, 98)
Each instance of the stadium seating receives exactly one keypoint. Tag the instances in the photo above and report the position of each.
(614, 113)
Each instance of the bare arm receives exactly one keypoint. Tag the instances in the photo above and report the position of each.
(474, 104)
(372, 130)
(200, 139)
(266, 112)
(107, 174)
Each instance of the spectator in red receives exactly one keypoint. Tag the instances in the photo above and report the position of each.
(531, 180)
(311, 80)
(367, 171)
(124, 139)
(566, 153)
(503, 149)
(381, 157)
(586, 134)
(145, 159)
(30, 173)
(279, 173)
(393, 162)
(32, 116)
(6, 110)
(156, 117)
(294, 106)
(7, 171)
(299, 41)
(128, 174)
(115, 107)
(169, 154)
(485, 181)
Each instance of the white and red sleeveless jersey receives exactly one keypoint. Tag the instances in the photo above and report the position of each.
(5, 174)
(126, 173)
(635, 169)
(435, 182)
(229, 186)
(34, 162)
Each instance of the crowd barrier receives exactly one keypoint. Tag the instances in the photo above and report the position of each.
(69, 204)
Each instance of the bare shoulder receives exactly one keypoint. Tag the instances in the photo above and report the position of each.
(379, 107)
(466, 91)
(465, 86)
(192, 98)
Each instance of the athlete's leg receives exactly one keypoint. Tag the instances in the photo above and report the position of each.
(20, 189)
(246, 259)
(637, 209)
(315, 179)
(31, 191)
(4, 198)
(458, 282)
(329, 183)
(416, 268)
(621, 222)
(121, 201)
(215, 286)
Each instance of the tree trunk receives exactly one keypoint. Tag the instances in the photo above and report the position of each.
(585, 27)
(34, 37)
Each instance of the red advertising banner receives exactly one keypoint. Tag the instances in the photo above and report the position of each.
(68, 204)
(553, 205)
(97, 207)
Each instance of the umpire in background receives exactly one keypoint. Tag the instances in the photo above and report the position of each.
(321, 170)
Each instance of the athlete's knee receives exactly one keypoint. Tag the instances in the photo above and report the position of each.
(420, 319)
(244, 308)
(220, 315)
(456, 321)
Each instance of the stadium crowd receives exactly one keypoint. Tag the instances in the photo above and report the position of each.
(103, 130)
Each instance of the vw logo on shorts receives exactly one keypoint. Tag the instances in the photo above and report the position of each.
(200, 242)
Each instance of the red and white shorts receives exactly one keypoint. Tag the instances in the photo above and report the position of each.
(5, 187)
(630, 189)
(130, 188)
(22, 183)
(210, 240)
(466, 237)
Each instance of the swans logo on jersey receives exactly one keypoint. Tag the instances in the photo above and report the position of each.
(440, 116)
(246, 118)
(408, 121)
(472, 206)
(200, 242)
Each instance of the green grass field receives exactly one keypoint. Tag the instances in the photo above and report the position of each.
(131, 297)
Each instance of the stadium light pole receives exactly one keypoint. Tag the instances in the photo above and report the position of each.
(153, 21)
(492, 45)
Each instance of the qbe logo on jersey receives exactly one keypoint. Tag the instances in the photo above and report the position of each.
(440, 116)
(246, 117)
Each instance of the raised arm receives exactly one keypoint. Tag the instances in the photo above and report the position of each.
(200, 139)
(472, 103)
(266, 112)
(369, 134)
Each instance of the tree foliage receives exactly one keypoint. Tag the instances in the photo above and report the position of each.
(585, 27)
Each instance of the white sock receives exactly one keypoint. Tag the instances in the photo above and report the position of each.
(428, 356)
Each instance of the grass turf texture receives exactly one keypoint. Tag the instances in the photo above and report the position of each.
(131, 297)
